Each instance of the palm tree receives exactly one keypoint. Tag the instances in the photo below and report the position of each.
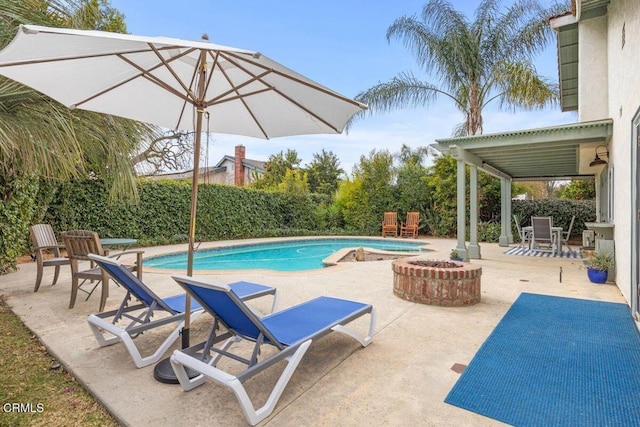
(40, 137)
(474, 63)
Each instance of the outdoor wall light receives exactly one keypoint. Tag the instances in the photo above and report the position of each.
(598, 161)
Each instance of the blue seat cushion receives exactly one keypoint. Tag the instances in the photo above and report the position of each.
(310, 318)
(177, 303)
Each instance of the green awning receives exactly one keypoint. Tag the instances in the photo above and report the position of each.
(558, 152)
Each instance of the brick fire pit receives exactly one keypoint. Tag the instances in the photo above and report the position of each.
(444, 283)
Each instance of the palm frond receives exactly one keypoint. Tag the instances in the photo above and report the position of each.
(43, 137)
(403, 90)
(522, 87)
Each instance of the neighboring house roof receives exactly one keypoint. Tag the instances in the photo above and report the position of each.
(247, 163)
(256, 165)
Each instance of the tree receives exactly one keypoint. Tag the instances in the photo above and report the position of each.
(411, 189)
(578, 190)
(42, 140)
(413, 155)
(42, 137)
(94, 15)
(474, 63)
(172, 150)
(369, 194)
(324, 172)
(295, 182)
(276, 168)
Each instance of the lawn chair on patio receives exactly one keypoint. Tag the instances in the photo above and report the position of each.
(390, 224)
(140, 315)
(290, 331)
(44, 240)
(566, 235)
(543, 239)
(410, 228)
(81, 243)
(525, 235)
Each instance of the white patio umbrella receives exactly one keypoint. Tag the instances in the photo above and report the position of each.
(173, 83)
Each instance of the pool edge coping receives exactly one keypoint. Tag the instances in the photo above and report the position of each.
(331, 264)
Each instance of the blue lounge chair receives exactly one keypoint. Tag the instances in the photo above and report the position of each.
(140, 315)
(291, 331)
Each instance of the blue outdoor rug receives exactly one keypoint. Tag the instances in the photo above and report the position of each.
(517, 250)
(555, 361)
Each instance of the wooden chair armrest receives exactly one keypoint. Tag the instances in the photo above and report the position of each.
(137, 252)
(39, 248)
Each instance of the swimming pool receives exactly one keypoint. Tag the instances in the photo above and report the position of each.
(292, 255)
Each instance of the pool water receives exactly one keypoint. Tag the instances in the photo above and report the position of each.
(295, 255)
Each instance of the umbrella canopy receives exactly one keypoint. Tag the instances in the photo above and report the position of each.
(173, 83)
(155, 80)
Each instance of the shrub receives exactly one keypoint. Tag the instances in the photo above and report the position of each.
(17, 207)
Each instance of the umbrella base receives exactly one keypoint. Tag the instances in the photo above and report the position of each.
(163, 372)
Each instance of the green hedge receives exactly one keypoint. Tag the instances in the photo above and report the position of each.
(560, 209)
(224, 212)
(17, 207)
(162, 214)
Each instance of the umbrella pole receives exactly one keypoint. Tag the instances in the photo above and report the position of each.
(192, 225)
(163, 371)
(200, 106)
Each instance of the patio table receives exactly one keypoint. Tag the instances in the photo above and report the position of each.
(556, 230)
(125, 243)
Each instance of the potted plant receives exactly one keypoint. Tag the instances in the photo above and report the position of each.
(598, 267)
(454, 256)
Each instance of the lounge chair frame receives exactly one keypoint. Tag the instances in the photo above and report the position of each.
(292, 353)
(105, 325)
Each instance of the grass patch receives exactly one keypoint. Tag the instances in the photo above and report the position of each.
(35, 389)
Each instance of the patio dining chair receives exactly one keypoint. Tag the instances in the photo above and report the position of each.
(525, 235)
(566, 235)
(543, 238)
(79, 244)
(44, 240)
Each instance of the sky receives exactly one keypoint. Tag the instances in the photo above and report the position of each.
(340, 44)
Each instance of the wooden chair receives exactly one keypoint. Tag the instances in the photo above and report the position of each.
(44, 241)
(525, 235)
(390, 224)
(81, 243)
(410, 228)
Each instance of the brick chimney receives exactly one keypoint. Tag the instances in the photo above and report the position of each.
(238, 173)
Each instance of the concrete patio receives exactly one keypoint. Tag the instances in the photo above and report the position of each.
(402, 378)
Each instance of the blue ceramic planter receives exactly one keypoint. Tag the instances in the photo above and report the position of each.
(597, 276)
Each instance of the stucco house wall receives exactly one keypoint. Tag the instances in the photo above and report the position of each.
(609, 87)
(593, 70)
(624, 101)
